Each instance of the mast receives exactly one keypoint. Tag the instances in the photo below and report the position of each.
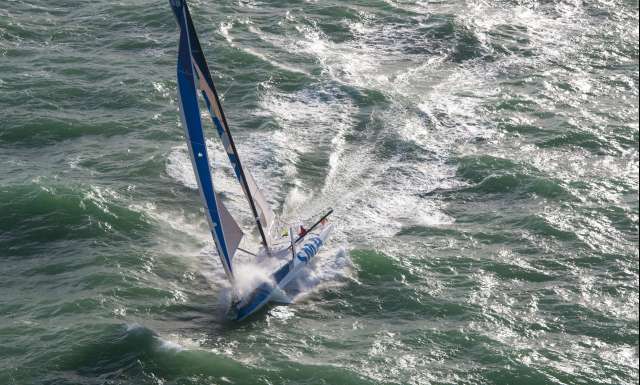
(202, 68)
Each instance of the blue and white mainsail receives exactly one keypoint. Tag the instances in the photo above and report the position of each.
(193, 75)
(264, 216)
(225, 230)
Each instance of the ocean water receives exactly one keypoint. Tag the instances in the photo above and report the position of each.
(481, 158)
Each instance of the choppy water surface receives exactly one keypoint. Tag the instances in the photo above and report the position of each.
(481, 157)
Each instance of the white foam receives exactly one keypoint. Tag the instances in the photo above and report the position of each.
(310, 121)
(224, 29)
(251, 274)
(101, 197)
(431, 87)
(179, 167)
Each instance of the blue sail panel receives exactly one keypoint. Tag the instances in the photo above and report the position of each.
(226, 232)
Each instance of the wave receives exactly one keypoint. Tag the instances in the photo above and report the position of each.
(42, 213)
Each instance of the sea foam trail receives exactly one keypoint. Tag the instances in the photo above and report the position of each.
(353, 63)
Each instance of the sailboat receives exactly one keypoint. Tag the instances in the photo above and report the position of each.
(294, 252)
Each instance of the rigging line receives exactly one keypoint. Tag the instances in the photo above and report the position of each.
(222, 94)
(247, 251)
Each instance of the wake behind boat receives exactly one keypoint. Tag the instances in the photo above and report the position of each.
(294, 252)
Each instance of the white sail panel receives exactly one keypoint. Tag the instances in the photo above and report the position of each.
(267, 217)
(231, 230)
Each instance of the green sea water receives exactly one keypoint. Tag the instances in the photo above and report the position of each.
(481, 158)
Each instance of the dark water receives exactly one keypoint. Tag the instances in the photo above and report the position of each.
(481, 156)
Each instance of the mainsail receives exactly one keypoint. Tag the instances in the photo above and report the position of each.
(264, 216)
(193, 75)
(225, 230)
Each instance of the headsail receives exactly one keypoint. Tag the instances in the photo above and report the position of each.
(259, 205)
(267, 217)
(226, 232)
